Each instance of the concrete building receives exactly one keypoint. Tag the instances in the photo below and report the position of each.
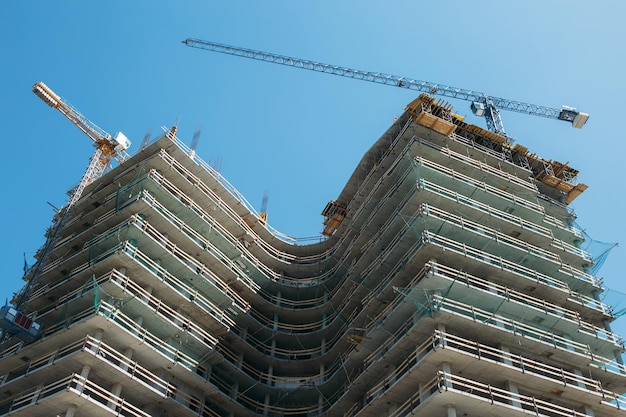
(451, 282)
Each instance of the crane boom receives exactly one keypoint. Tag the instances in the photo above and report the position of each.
(111, 147)
(482, 104)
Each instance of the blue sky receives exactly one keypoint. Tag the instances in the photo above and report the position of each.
(295, 133)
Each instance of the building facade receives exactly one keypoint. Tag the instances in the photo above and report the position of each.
(450, 282)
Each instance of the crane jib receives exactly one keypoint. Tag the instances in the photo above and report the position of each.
(578, 119)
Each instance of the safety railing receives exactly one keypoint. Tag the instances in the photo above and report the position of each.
(189, 262)
(529, 366)
(293, 328)
(82, 387)
(499, 155)
(482, 166)
(208, 245)
(512, 326)
(227, 186)
(364, 213)
(498, 396)
(281, 256)
(164, 312)
(508, 294)
(464, 223)
(157, 343)
(459, 221)
(484, 208)
(509, 197)
(512, 267)
(479, 351)
(246, 262)
(182, 256)
(188, 293)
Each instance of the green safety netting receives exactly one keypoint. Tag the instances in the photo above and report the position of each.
(599, 250)
(101, 295)
(617, 301)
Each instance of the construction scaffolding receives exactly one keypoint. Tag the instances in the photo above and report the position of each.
(447, 276)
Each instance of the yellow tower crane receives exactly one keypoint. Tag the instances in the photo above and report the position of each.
(16, 320)
(107, 147)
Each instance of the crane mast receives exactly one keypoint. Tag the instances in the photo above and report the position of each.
(107, 148)
(483, 105)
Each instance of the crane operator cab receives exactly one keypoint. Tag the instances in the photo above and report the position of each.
(121, 142)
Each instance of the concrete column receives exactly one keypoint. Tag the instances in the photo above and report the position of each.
(71, 410)
(579, 381)
(323, 346)
(148, 290)
(116, 390)
(234, 391)
(445, 367)
(84, 373)
(320, 402)
(270, 373)
(565, 339)
(266, 405)
(322, 376)
(99, 334)
(36, 394)
(451, 410)
(208, 371)
(589, 411)
(98, 337)
(138, 324)
(422, 394)
(128, 354)
(159, 268)
(515, 394)
(278, 298)
(507, 359)
(181, 323)
(273, 348)
(152, 409)
(442, 336)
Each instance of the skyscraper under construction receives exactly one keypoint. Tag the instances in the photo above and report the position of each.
(451, 281)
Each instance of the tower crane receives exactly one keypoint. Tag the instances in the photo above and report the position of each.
(482, 105)
(107, 148)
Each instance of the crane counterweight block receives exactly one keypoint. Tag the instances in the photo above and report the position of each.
(46, 95)
(570, 114)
